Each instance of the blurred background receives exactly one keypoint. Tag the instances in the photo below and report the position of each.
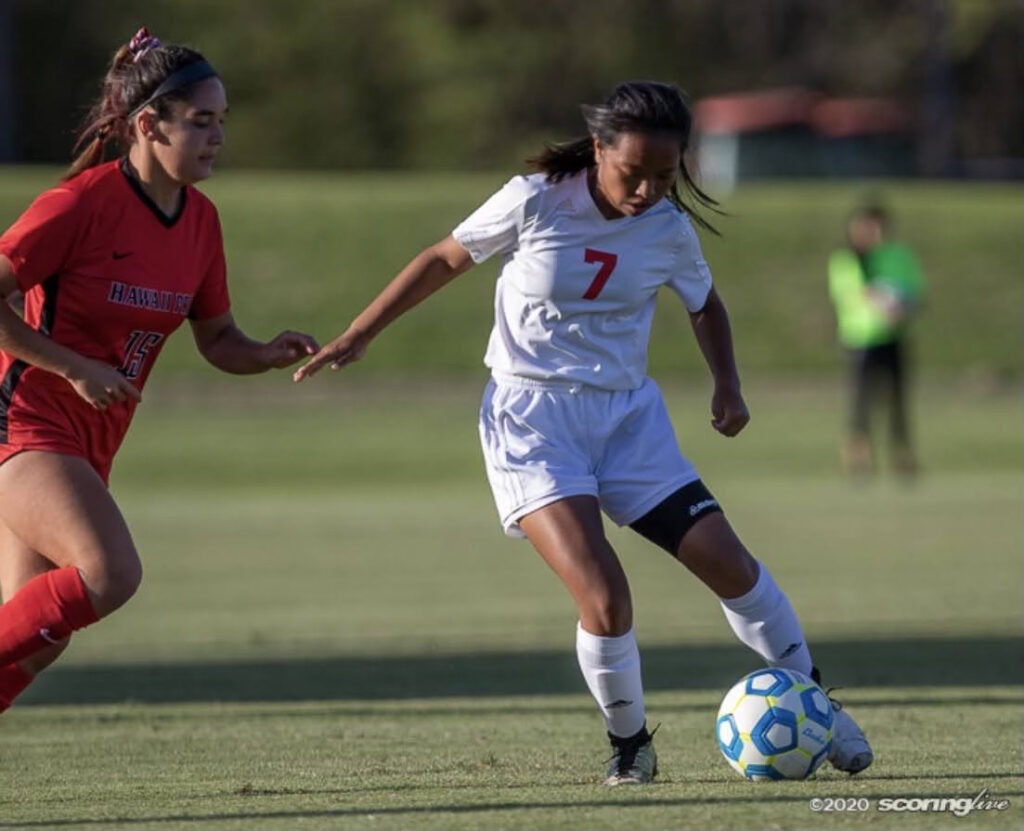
(900, 87)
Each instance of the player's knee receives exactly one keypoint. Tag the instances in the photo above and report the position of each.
(124, 581)
(608, 615)
(114, 583)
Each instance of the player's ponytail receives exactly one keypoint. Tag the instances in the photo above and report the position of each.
(104, 121)
(142, 72)
(633, 107)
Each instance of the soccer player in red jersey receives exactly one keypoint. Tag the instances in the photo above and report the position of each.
(110, 263)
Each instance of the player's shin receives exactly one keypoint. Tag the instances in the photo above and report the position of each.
(13, 681)
(45, 611)
(764, 620)
(611, 668)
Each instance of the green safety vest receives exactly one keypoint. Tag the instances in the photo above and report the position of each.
(890, 266)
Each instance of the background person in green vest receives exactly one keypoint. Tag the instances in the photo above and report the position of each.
(876, 286)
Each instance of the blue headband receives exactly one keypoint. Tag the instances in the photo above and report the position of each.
(190, 74)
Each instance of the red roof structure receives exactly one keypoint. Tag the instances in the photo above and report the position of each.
(793, 131)
(795, 106)
(843, 117)
(755, 111)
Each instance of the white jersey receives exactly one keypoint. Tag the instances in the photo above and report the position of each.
(575, 296)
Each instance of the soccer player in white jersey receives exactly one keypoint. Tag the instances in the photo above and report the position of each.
(570, 423)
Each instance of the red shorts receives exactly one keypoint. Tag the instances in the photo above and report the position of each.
(45, 414)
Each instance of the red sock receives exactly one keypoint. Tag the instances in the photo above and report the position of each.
(13, 679)
(45, 610)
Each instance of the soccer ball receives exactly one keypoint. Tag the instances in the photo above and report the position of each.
(775, 724)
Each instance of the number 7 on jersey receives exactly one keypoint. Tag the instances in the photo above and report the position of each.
(607, 261)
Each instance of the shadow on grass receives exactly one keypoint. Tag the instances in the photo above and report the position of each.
(917, 662)
(642, 802)
(411, 810)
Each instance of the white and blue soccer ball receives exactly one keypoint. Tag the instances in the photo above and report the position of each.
(775, 724)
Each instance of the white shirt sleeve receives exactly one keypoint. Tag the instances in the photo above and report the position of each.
(494, 227)
(692, 280)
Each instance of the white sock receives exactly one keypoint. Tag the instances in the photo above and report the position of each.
(765, 621)
(611, 668)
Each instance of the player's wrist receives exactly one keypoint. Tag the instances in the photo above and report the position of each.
(361, 334)
(70, 366)
(728, 383)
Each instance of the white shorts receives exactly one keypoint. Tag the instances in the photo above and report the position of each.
(545, 441)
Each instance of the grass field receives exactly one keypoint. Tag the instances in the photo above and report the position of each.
(333, 632)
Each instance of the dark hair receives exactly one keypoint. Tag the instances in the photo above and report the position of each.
(872, 209)
(633, 107)
(136, 71)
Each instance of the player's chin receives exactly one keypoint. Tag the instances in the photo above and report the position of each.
(635, 208)
(202, 168)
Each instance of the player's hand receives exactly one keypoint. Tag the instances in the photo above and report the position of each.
(287, 348)
(101, 384)
(345, 349)
(729, 413)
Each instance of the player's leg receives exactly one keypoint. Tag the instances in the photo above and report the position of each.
(903, 457)
(569, 536)
(757, 610)
(690, 525)
(18, 565)
(857, 453)
(58, 506)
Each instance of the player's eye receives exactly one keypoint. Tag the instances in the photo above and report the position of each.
(205, 121)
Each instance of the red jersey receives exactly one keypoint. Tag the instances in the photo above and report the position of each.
(107, 274)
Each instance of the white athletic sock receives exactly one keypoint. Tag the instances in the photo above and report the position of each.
(611, 668)
(765, 621)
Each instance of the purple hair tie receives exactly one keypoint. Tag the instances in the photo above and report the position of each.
(142, 41)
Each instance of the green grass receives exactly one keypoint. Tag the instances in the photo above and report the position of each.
(334, 633)
(310, 250)
(468, 763)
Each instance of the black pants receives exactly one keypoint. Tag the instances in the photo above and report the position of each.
(877, 373)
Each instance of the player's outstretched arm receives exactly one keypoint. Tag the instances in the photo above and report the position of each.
(729, 412)
(228, 348)
(430, 270)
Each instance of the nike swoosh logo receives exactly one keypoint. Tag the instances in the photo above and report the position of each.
(793, 647)
(46, 636)
(120, 255)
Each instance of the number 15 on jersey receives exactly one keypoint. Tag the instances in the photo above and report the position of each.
(136, 351)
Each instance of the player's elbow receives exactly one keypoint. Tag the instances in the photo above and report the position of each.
(450, 255)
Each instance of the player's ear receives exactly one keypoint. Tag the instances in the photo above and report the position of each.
(146, 125)
(598, 147)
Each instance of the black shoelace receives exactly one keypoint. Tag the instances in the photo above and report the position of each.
(628, 748)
